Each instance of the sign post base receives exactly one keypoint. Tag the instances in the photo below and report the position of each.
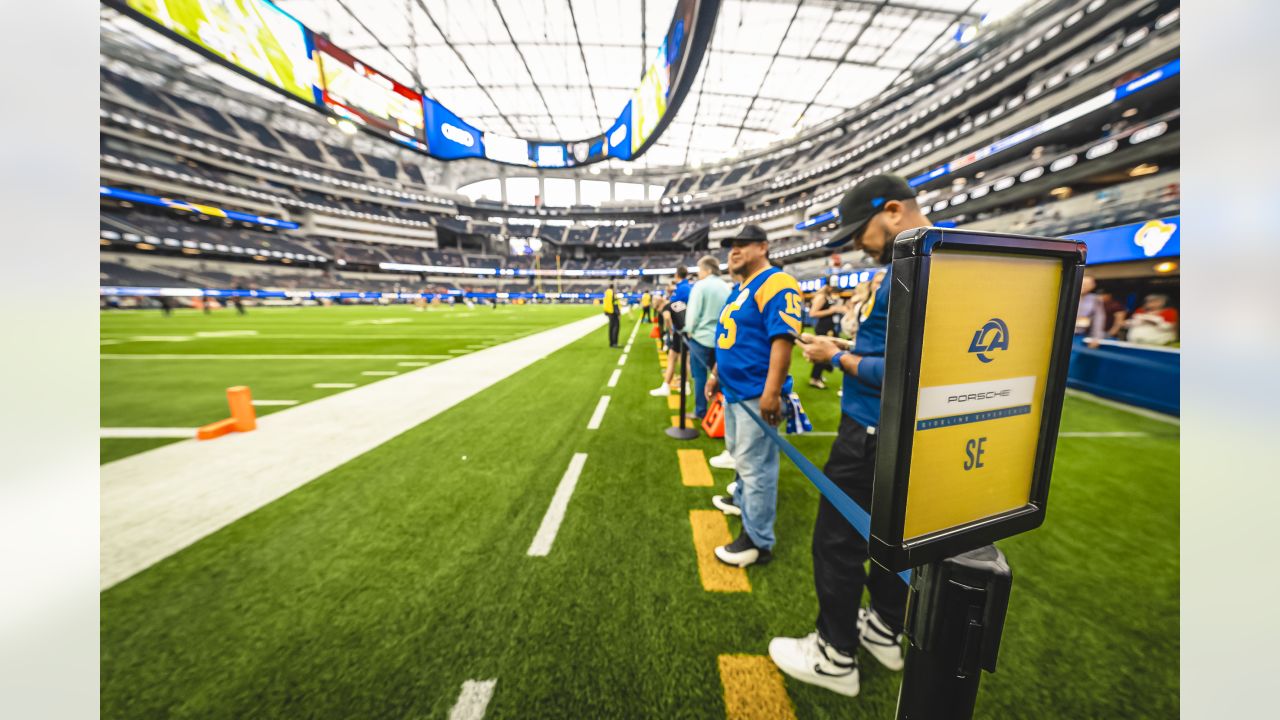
(955, 615)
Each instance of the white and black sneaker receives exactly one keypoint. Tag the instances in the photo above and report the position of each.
(662, 390)
(811, 659)
(879, 640)
(724, 461)
(725, 504)
(732, 489)
(742, 552)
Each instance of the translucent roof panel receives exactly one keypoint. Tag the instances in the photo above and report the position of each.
(563, 69)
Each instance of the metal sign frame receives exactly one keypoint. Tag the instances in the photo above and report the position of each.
(908, 304)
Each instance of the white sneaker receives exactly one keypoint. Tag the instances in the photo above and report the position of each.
(810, 659)
(724, 503)
(732, 489)
(724, 461)
(662, 390)
(879, 640)
(742, 552)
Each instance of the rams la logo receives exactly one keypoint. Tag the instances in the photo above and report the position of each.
(1153, 236)
(993, 336)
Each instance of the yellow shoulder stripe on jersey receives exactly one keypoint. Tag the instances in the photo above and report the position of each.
(793, 323)
(775, 284)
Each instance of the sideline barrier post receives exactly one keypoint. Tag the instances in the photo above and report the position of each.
(955, 616)
(980, 333)
(683, 432)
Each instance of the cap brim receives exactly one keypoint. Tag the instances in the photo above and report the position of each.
(729, 241)
(844, 235)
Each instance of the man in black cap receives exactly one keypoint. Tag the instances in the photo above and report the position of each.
(752, 348)
(872, 214)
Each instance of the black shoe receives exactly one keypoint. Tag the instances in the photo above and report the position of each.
(742, 552)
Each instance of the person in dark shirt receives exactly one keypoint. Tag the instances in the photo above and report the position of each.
(872, 214)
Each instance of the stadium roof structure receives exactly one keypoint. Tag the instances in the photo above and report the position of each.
(564, 68)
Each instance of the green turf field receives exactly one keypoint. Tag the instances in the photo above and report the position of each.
(143, 386)
(377, 589)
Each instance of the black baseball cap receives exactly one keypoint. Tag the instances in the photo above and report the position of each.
(748, 234)
(860, 204)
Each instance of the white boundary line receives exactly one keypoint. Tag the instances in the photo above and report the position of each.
(158, 502)
(274, 403)
(546, 535)
(1142, 412)
(597, 417)
(145, 432)
(622, 360)
(473, 700)
(613, 379)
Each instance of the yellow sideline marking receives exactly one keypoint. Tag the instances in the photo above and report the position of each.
(753, 689)
(694, 471)
(709, 530)
(690, 423)
(673, 402)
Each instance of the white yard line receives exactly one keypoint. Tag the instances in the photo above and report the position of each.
(327, 386)
(1142, 412)
(622, 360)
(161, 338)
(380, 373)
(473, 700)
(413, 364)
(274, 403)
(1103, 434)
(597, 417)
(613, 379)
(183, 356)
(546, 535)
(145, 432)
(226, 333)
(158, 502)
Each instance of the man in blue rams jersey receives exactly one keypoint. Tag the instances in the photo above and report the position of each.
(752, 357)
(673, 316)
(872, 214)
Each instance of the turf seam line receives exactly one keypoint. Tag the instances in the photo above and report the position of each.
(597, 417)
(546, 534)
(473, 700)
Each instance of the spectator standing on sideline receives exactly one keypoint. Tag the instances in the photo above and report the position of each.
(872, 214)
(754, 337)
(645, 301)
(1155, 323)
(611, 311)
(1091, 320)
(823, 309)
(674, 312)
(706, 299)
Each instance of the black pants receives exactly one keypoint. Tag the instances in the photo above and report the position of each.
(645, 317)
(613, 329)
(839, 553)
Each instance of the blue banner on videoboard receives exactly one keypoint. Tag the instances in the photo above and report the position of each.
(1160, 238)
(448, 136)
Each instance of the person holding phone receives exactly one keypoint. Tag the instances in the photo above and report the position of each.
(872, 214)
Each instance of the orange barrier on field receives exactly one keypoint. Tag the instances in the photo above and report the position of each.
(243, 417)
(713, 421)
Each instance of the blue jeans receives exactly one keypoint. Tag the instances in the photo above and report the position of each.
(699, 359)
(756, 458)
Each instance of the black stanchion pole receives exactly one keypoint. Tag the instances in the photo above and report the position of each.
(682, 432)
(955, 615)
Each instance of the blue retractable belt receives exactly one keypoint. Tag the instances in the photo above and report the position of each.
(852, 511)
